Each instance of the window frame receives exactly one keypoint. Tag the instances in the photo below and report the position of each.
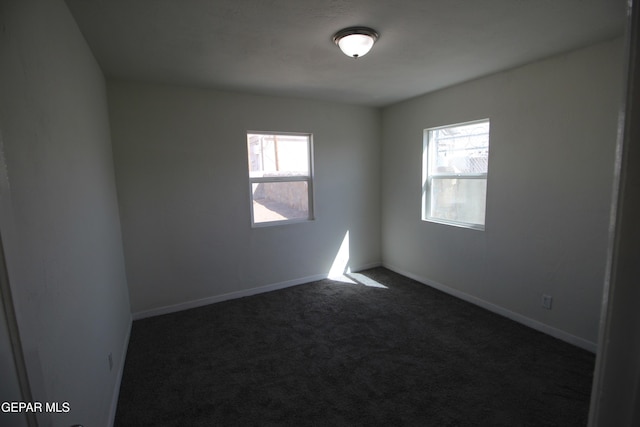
(279, 179)
(428, 177)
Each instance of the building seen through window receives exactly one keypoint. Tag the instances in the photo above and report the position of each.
(280, 175)
(455, 166)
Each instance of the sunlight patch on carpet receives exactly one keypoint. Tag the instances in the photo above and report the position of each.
(341, 271)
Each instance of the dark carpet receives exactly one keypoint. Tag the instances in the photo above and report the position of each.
(329, 353)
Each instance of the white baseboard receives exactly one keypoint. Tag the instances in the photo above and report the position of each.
(116, 388)
(238, 294)
(224, 297)
(534, 324)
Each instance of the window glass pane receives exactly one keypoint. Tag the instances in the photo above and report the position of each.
(279, 201)
(460, 200)
(459, 149)
(278, 155)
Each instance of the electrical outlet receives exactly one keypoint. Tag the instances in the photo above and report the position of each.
(110, 358)
(546, 301)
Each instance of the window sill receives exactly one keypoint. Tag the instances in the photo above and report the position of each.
(478, 227)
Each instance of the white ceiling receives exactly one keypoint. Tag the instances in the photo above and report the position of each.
(284, 47)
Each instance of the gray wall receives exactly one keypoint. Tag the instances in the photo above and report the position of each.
(181, 170)
(58, 211)
(9, 386)
(615, 400)
(553, 134)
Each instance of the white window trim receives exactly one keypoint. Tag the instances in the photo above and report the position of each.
(292, 178)
(427, 179)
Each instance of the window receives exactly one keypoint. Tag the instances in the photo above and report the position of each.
(280, 177)
(454, 174)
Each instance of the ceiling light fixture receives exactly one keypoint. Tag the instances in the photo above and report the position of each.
(355, 41)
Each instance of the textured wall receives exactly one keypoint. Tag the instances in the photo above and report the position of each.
(58, 212)
(183, 186)
(553, 134)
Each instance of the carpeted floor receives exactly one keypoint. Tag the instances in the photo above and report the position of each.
(334, 354)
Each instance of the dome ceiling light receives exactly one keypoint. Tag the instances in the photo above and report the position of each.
(355, 41)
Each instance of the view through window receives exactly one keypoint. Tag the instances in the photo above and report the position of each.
(280, 175)
(454, 174)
